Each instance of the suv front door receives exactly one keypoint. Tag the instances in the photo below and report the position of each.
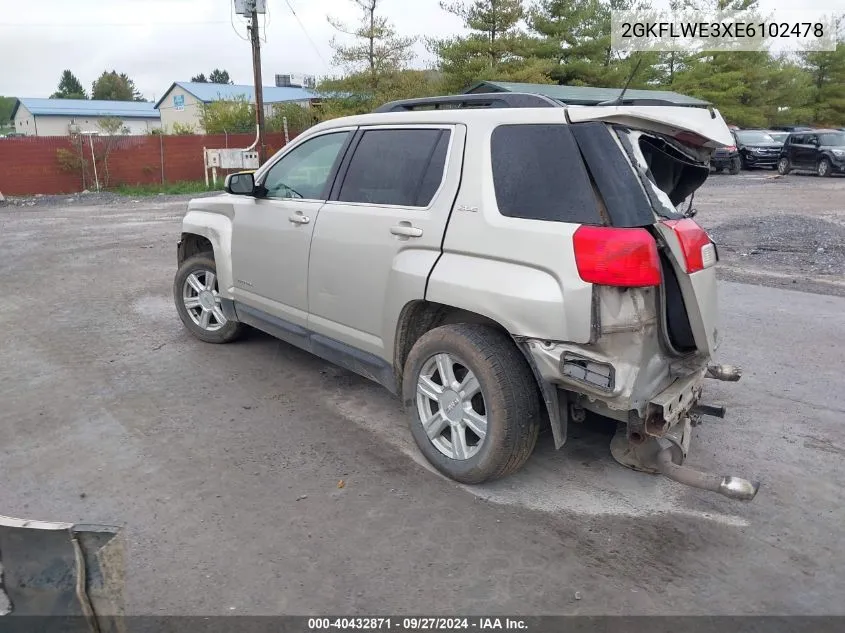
(380, 233)
(271, 233)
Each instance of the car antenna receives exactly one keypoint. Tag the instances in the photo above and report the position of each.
(618, 100)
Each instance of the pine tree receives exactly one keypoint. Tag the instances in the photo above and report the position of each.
(199, 79)
(218, 76)
(69, 88)
(495, 48)
(113, 87)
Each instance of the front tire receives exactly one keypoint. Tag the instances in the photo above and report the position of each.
(195, 292)
(473, 402)
(823, 168)
(784, 167)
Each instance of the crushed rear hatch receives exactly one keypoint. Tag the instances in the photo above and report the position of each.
(668, 148)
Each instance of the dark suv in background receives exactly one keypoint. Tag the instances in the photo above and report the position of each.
(821, 151)
(726, 158)
(757, 148)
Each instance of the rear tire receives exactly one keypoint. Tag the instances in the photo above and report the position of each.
(736, 165)
(784, 167)
(195, 292)
(488, 386)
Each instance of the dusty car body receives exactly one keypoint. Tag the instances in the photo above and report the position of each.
(494, 260)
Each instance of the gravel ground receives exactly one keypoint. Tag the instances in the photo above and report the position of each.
(777, 231)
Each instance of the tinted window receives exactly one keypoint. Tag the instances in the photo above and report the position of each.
(833, 138)
(753, 137)
(796, 139)
(304, 172)
(399, 167)
(539, 174)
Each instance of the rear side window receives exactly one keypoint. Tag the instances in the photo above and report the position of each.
(538, 174)
(396, 167)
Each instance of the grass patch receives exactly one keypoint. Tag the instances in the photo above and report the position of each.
(187, 186)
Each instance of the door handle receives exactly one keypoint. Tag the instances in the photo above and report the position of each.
(404, 229)
(299, 219)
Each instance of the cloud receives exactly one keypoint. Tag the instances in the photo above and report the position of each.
(157, 42)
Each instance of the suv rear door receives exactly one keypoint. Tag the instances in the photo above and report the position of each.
(380, 233)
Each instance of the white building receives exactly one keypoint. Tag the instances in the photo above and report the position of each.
(61, 117)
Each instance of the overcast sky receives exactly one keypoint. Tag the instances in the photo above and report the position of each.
(157, 42)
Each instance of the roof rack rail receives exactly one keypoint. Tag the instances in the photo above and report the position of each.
(480, 100)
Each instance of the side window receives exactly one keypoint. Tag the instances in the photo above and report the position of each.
(538, 174)
(812, 140)
(398, 167)
(304, 172)
(797, 140)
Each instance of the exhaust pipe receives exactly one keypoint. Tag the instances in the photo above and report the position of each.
(731, 487)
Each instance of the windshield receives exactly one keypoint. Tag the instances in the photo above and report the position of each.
(832, 138)
(780, 137)
(753, 137)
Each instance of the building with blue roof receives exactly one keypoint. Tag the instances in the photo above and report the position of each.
(182, 102)
(61, 117)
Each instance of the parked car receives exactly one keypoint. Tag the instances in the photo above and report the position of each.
(821, 151)
(493, 260)
(792, 128)
(757, 148)
(726, 157)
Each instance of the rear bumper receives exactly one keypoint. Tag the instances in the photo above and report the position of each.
(642, 390)
(723, 160)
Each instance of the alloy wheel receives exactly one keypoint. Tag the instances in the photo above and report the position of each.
(202, 301)
(451, 406)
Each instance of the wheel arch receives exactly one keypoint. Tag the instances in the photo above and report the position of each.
(421, 316)
(201, 229)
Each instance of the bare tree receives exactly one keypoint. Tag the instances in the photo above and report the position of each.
(376, 50)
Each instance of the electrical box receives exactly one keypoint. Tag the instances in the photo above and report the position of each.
(212, 158)
(244, 7)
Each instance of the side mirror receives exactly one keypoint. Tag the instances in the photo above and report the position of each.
(240, 184)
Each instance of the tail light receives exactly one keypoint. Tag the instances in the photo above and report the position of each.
(616, 257)
(699, 250)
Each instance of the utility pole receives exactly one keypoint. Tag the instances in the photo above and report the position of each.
(259, 90)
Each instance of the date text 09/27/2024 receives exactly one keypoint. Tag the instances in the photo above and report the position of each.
(415, 624)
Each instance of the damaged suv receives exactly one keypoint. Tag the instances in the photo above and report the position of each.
(498, 261)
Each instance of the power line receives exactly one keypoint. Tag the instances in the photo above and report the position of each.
(305, 31)
(109, 24)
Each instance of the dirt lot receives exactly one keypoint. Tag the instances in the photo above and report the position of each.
(223, 462)
(780, 231)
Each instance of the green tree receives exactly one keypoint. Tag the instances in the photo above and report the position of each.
(220, 117)
(69, 87)
(375, 51)
(299, 118)
(352, 94)
(113, 87)
(494, 48)
(218, 76)
(199, 79)
(826, 71)
(7, 104)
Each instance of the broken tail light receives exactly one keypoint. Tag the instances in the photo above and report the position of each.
(616, 256)
(699, 251)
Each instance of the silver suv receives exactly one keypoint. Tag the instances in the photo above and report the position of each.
(500, 262)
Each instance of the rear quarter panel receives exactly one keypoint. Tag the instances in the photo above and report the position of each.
(520, 273)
